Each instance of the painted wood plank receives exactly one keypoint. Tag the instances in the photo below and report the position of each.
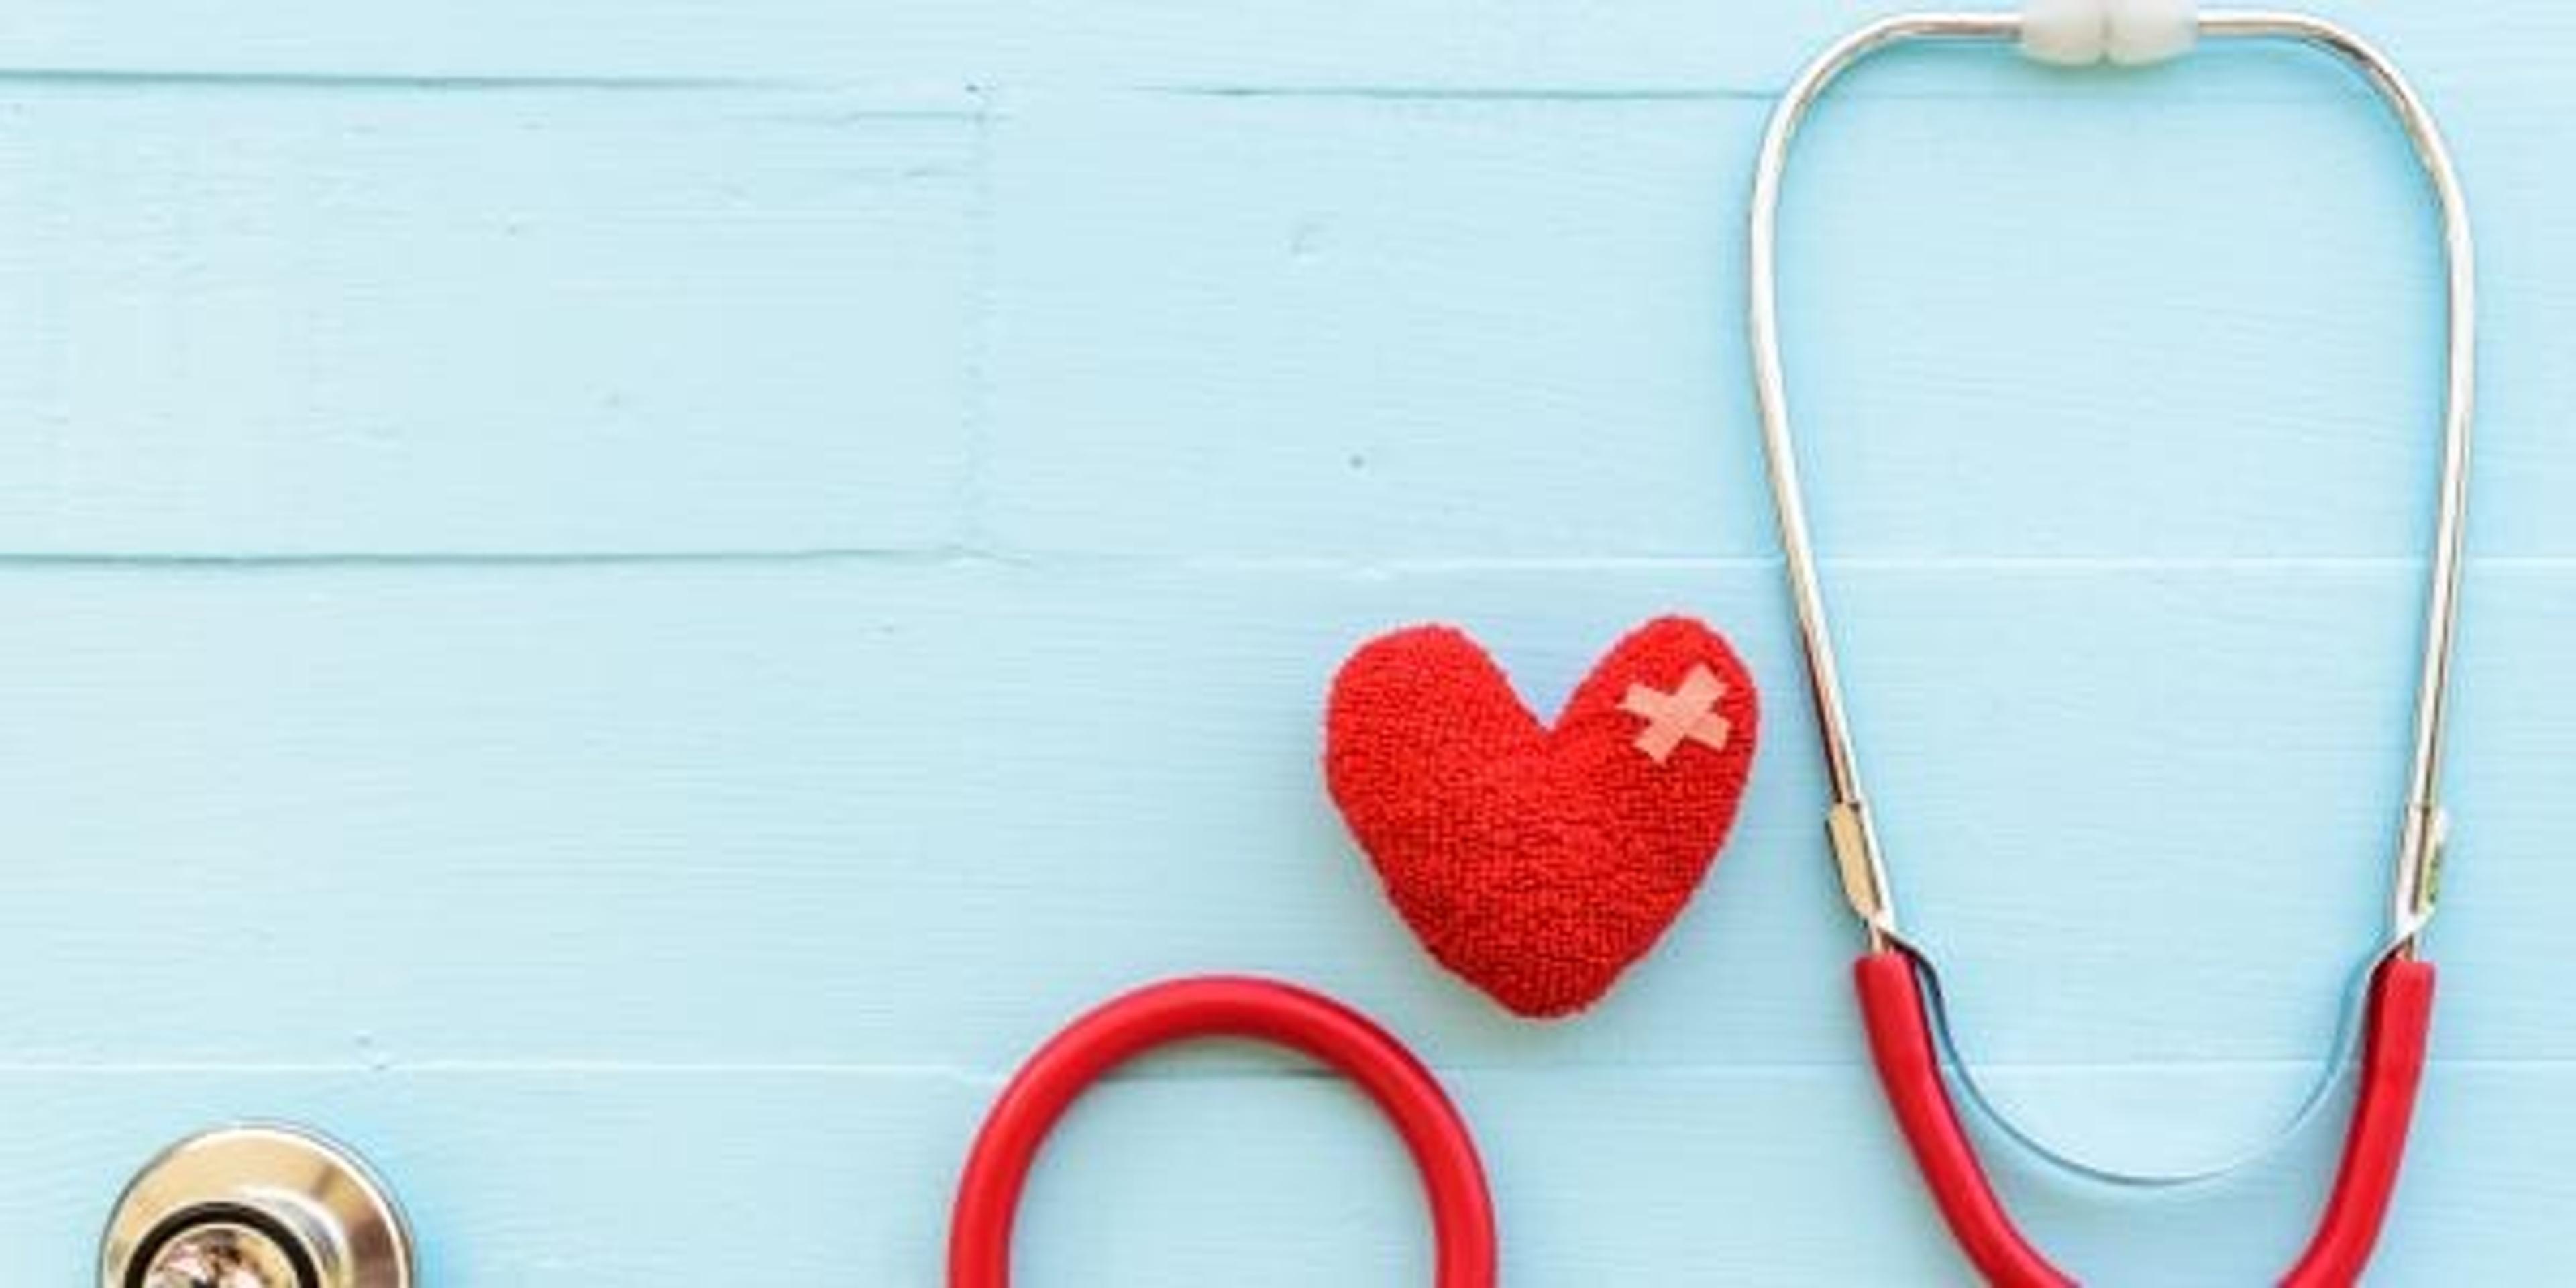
(1478, 328)
(1198, 1171)
(1354, 323)
(272, 318)
(684, 811)
(1651, 46)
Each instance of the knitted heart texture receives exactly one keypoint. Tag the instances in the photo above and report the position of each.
(1538, 863)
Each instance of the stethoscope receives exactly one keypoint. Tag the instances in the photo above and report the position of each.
(1900, 993)
(1220, 1006)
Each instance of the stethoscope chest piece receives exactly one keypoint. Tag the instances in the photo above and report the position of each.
(256, 1207)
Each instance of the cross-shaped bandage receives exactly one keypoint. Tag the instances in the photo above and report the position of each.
(1687, 714)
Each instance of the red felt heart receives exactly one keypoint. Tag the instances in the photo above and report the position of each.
(1539, 863)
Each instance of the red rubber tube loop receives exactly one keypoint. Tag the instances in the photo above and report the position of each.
(1900, 1043)
(2401, 1020)
(1453, 1177)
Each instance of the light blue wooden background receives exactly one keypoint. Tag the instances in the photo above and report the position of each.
(625, 604)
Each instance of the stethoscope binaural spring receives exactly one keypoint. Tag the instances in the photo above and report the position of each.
(1900, 992)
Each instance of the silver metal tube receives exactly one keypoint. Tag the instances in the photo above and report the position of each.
(1855, 844)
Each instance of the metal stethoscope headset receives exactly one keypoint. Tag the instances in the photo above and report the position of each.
(1900, 995)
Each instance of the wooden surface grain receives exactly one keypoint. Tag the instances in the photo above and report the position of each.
(625, 605)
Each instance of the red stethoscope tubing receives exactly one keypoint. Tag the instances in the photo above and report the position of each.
(1222, 1006)
(1900, 1044)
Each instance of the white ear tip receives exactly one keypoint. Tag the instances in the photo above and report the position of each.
(2068, 33)
(2151, 31)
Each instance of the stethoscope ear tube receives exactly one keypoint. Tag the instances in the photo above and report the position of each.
(1893, 1007)
(988, 1195)
(1900, 1044)
(1900, 997)
(2401, 1021)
